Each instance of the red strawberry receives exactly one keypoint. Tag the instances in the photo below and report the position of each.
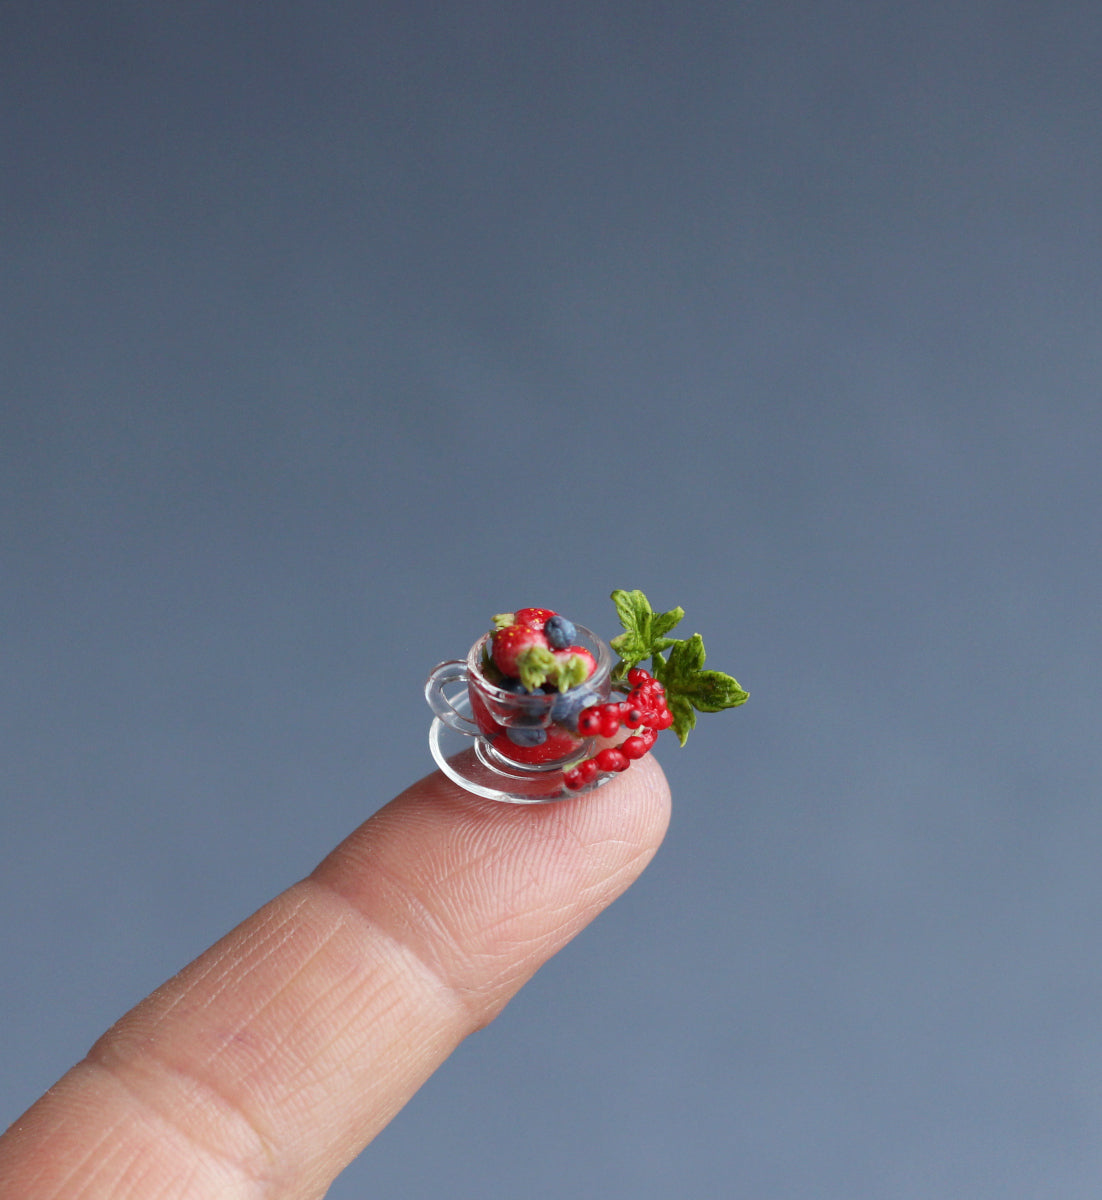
(517, 647)
(573, 666)
(535, 617)
(481, 713)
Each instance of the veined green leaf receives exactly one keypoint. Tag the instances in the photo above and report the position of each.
(712, 691)
(684, 719)
(689, 687)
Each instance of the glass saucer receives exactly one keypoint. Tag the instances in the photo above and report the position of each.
(465, 761)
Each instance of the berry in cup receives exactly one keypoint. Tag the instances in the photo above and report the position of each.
(539, 699)
(535, 680)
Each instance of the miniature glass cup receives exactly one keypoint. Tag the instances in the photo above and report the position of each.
(521, 741)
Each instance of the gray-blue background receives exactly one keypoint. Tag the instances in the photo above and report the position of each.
(328, 330)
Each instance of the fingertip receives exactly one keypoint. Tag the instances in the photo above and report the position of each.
(633, 808)
(492, 876)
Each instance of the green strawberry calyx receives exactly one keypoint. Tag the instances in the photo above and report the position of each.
(534, 666)
(677, 663)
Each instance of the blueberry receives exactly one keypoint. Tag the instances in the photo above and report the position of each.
(526, 736)
(568, 704)
(531, 707)
(560, 632)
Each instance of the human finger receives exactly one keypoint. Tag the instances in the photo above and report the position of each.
(265, 1066)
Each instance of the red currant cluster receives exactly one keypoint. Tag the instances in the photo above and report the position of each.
(644, 709)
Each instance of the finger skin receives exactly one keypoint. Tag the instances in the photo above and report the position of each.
(264, 1067)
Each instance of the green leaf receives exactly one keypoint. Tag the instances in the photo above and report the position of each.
(712, 691)
(689, 687)
(686, 658)
(631, 648)
(684, 719)
(633, 609)
(664, 622)
(643, 629)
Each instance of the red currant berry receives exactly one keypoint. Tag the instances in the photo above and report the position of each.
(612, 760)
(633, 718)
(634, 747)
(648, 737)
(581, 775)
(589, 721)
(610, 720)
(637, 675)
(665, 719)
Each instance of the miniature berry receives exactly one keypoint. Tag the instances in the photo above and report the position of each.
(633, 715)
(612, 760)
(568, 706)
(665, 719)
(560, 631)
(521, 651)
(589, 721)
(572, 667)
(634, 747)
(610, 719)
(581, 775)
(511, 685)
(483, 718)
(557, 746)
(536, 618)
(526, 735)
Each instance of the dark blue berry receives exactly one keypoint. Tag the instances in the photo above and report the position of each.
(560, 632)
(526, 735)
(531, 705)
(569, 704)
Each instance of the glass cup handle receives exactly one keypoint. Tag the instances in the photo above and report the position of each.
(447, 673)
